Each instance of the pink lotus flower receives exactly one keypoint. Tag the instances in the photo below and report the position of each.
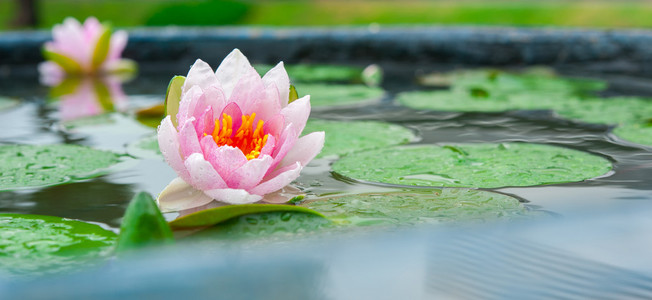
(84, 49)
(236, 137)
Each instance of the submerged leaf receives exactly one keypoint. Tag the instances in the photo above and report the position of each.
(173, 97)
(213, 216)
(42, 165)
(473, 165)
(143, 225)
(37, 245)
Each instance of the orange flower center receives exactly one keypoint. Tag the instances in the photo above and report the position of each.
(249, 139)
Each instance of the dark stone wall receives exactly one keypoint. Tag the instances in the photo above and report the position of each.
(605, 51)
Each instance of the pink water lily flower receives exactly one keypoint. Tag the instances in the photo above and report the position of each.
(236, 137)
(90, 48)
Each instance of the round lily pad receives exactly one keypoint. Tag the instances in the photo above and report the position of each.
(640, 134)
(343, 137)
(38, 245)
(322, 95)
(409, 208)
(265, 226)
(534, 79)
(312, 73)
(616, 110)
(472, 165)
(482, 100)
(43, 165)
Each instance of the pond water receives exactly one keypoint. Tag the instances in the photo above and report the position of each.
(38, 120)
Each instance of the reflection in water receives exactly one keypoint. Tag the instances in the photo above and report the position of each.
(81, 200)
(89, 96)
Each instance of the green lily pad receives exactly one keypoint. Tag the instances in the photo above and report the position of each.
(39, 245)
(322, 95)
(147, 146)
(415, 207)
(533, 80)
(640, 134)
(213, 216)
(617, 110)
(482, 101)
(42, 165)
(143, 225)
(473, 165)
(343, 137)
(493, 91)
(96, 120)
(313, 73)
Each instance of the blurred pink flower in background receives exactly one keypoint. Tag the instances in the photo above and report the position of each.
(86, 49)
(236, 138)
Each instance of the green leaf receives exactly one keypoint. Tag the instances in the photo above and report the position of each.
(279, 226)
(621, 110)
(417, 207)
(352, 136)
(101, 48)
(636, 133)
(33, 245)
(315, 73)
(473, 165)
(293, 94)
(322, 95)
(143, 225)
(173, 97)
(68, 64)
(42, 165)
(212, 216)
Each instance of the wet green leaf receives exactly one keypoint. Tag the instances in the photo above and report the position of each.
(314, 73)
(213, 216)
(415, 207)
(473, 165)
(42, 165)
(636, 133)
(343, 137)
(143, 225)
(68, 64)
(616, 110)
(265, 227)
(173, 97)
(101, 48)
(38, 245)
(322, 95)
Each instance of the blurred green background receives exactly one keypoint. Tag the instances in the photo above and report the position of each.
(129, 13)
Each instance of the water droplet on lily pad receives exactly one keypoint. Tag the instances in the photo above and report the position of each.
(416, 207)
(43, 165)
(326, 95)
(343, 137)
(472, 165)
(33, 245)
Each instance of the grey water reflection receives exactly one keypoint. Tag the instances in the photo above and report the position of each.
(95, 200)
